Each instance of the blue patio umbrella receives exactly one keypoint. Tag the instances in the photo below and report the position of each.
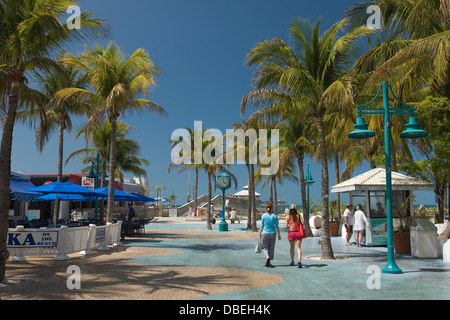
(63, 188)
(76, 197)
(118, 194)
(143, 198)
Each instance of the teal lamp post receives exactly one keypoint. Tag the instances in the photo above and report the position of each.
(95, 174)
(224, 183)
(413, 131)
(309, 181)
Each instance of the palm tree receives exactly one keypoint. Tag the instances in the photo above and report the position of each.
(313, 69)
(30, 34)
(285, 172)
(127, 150)
(172, 198)
(295, 135)
(54, 117)
(249, 149)
(421, 67)
(423, 29)
(189, 165)
(117, 83)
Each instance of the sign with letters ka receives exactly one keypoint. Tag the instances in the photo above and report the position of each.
(32, 239)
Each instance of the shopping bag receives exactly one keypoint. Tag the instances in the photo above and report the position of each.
(258, 247)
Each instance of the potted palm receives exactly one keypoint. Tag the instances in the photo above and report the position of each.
(401, 236)
(334, 221)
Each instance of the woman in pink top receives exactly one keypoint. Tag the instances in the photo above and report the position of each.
(293, 235)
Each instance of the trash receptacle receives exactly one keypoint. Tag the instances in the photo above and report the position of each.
(423, 239)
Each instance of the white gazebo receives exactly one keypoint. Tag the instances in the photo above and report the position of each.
(369, 190)
(243, 194)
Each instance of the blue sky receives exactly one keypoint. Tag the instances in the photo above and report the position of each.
(200, 47)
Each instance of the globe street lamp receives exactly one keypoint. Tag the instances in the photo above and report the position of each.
(224, 183)
(413, 131)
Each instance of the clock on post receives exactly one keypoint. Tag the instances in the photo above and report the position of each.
(224, 183)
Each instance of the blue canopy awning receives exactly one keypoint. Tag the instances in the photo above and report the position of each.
(18, 187)
(142, 198)
(118, 194)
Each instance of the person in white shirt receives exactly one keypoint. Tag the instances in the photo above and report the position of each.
(360, 223)
(348, 223)
(233, 216)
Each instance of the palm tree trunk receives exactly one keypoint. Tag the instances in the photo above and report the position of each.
(112, 169)
(208, 214)
(60, 164)
(249, 215)
(271, 189)
(102, 183)
(252, 190)
(393, 154)
(327, 250)
(195, 191)
(5, 173)
(445, 11)
(336, 176)
(275, 198)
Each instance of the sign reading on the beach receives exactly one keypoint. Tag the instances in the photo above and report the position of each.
(32, 239)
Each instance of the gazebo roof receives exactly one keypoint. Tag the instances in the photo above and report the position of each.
(244, 193)
(375, 180)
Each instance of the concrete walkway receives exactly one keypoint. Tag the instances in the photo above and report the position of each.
(180, 260)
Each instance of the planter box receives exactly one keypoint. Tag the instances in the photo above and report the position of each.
(334, 229)
(402, 243)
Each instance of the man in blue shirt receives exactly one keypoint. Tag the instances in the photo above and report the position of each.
(131, 213)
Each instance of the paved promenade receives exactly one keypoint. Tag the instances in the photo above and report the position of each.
(179, 260)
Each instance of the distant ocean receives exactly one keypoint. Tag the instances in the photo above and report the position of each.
(428, 206)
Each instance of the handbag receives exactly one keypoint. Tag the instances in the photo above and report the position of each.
(301, 231)
(258, 247)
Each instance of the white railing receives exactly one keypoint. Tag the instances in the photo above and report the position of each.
(61, 241)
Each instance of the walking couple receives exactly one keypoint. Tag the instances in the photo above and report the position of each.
(269, 229)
